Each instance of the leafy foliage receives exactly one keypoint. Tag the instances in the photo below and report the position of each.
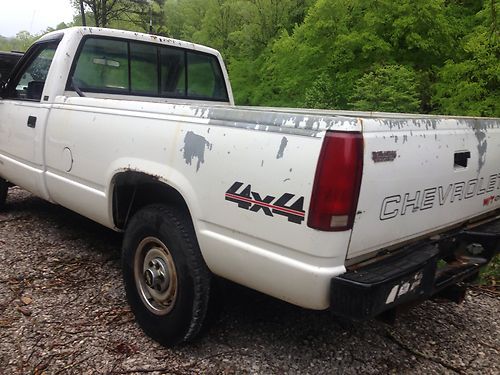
(342, 41)
(387, 88)
(491, 275)
(428, 56)
(20, 42)
(23, 39)
(472, 85)
(134, 14)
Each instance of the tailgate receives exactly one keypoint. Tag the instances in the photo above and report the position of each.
(422, 175)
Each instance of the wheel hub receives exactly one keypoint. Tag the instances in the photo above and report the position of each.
(156, 275)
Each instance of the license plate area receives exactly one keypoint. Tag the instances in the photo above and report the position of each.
(408, 287)
(369, 291)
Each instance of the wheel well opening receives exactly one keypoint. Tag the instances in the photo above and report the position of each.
(134, 190)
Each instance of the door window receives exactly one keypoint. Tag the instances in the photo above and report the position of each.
(29, 83)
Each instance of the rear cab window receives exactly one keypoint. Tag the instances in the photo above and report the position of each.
(119, 66)
(103, 65)
(204, 77)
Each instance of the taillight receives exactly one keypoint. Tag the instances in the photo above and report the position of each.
(337, 182)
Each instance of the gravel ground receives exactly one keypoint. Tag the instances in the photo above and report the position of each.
(63, 310)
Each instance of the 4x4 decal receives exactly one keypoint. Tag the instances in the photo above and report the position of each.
(269, 205)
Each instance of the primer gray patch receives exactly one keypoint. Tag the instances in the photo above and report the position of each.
(281, 150)
(482, 146)
(480, 123)
(313, 123)
(274, 120)
(194, 147)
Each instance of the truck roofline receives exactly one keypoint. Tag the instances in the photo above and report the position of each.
(131, 35)
(74, 36)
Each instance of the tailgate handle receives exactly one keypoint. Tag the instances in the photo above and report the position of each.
(461, 159)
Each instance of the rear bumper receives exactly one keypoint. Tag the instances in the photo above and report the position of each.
(415, 273)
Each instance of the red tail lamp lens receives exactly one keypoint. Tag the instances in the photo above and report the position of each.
(337, 182)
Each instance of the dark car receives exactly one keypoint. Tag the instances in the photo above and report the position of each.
(7, 62)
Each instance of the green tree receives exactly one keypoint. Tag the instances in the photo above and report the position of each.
(407, 55)
(23, 40)
(340, 41)
(220, 20)
(60, 26)
(184, 17)
(469, 84)
(390, 88)
(103, 11)
(128, 14)
(471, 87)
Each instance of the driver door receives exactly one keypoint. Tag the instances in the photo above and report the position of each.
(23, 116)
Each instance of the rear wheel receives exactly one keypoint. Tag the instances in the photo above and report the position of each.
(166, 279)
(4, 187)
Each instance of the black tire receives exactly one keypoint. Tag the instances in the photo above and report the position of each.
(4, 187)
(157, 238)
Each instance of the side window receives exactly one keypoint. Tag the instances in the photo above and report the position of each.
(173, 72)
(103, 66)
(31, 81)
(144, 69)
(205, 79)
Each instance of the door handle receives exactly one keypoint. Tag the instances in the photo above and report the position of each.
(31, 122)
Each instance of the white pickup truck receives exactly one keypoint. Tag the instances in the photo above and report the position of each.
(354, 212)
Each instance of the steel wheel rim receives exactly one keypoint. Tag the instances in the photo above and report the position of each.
(152, 261)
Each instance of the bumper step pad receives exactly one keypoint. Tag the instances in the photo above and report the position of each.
(412, 275)
(367, 292)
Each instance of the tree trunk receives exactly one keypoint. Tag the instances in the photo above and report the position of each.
(104, 13)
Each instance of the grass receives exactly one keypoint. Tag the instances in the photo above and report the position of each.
(490, 276)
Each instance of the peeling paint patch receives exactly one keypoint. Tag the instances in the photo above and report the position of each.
(281, 151)
(194, 147)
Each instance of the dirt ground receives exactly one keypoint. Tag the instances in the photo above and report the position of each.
(63, 310)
